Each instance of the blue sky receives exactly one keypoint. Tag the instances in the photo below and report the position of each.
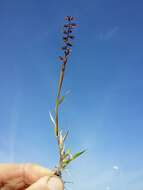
(104, 109)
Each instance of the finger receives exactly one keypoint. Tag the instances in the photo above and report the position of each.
(28, 172)
(14, 184)
(33, 172)
(47, 183)
(9, 171)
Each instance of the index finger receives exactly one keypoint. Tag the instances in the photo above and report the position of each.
(29, 172)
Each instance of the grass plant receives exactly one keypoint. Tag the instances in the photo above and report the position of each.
(65, 155)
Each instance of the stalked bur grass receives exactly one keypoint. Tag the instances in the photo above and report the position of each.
(65, 156)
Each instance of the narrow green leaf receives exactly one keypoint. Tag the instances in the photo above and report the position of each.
(67, 153)
(66, 162)
(77, 155)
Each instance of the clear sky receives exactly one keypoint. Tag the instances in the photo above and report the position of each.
(104, 111)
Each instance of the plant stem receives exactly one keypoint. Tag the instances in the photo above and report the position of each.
(57, 111)
(64, 59)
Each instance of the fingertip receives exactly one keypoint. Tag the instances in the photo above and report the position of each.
(48, 183)
(55, 183)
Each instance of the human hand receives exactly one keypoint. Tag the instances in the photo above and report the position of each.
(28, 177)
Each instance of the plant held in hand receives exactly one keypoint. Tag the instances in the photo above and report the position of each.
(65, 156)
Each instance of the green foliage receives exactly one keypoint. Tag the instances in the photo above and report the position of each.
(77, 155)
(69, 157)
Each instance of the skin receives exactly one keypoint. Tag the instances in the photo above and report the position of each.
(28, 177)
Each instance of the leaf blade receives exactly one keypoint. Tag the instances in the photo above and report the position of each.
(76, 155)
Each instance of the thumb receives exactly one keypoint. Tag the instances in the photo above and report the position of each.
(33, 172)
(47, 183)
